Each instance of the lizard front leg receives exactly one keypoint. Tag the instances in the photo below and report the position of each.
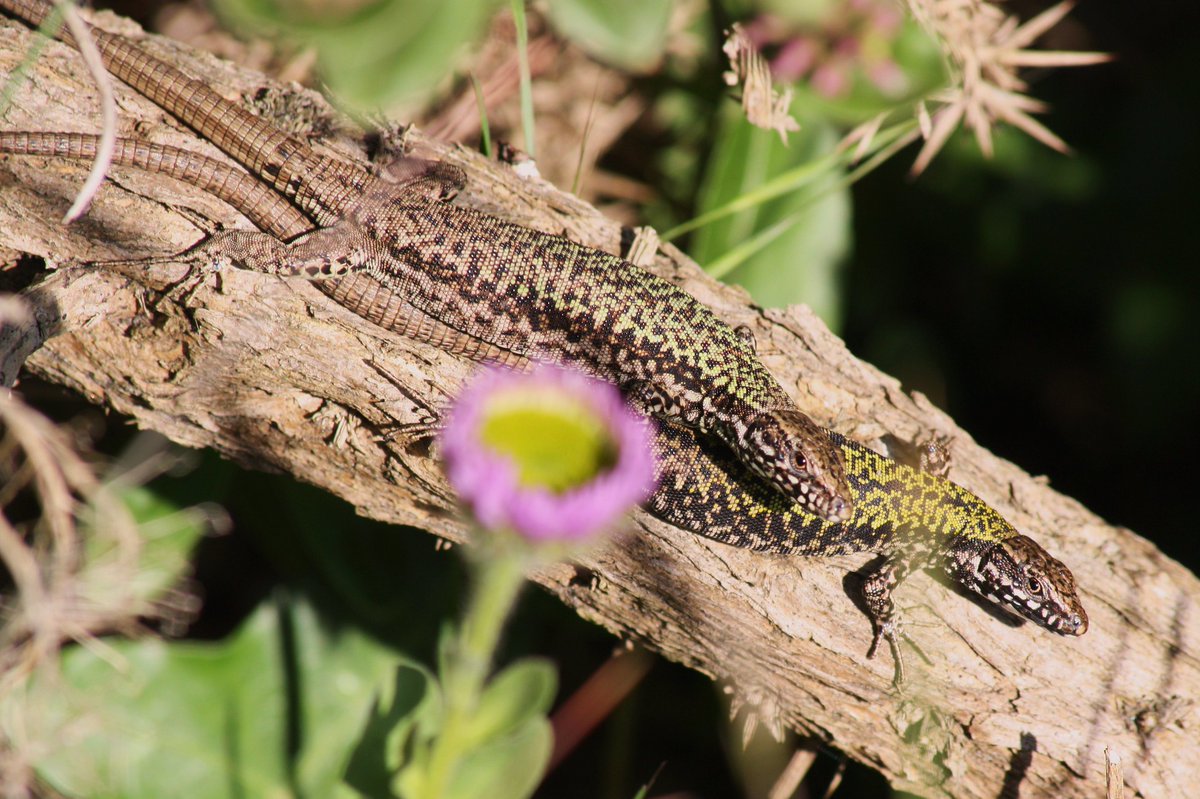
(877, 589)
(324, 253)
(653, 400)
(933, 457)
(423, 179)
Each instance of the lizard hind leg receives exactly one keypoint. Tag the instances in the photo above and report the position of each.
(245, 248)
(317, 255)
(323, 253)
(423, 179)
(427, 431)
(206, 257)
(250, 248)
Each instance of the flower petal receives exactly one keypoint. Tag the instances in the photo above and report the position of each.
(488, 480)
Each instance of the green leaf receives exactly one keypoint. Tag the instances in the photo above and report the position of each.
(507, 746)
(378, 53)
(811, 226)
(519, 693)
(409, 713)
(627, 33)
(508, 767)
(275, 710)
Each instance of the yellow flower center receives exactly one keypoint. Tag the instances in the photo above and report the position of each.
(553, 440)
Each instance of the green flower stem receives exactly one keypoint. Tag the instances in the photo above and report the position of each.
(499, 573)
(736, 256)
(48, 28)
(793, 179)
(485, 130)
(518, 12)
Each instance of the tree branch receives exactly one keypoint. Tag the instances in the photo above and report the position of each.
(274, 375)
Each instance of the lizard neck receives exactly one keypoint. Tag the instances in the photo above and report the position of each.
(916, 506)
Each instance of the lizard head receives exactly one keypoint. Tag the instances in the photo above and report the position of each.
(797, 456)
(1025, 579)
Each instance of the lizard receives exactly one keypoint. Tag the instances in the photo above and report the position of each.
(536, 294)
(913, 519)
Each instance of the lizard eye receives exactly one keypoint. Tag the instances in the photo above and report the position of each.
(799, 462)
(1034, 586)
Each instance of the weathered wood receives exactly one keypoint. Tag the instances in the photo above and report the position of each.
(274, 375)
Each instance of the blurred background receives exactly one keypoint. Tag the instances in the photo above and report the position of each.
(1044, 300)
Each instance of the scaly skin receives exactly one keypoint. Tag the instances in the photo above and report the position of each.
(535, 294)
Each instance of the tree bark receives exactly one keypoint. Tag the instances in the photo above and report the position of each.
(274, 375)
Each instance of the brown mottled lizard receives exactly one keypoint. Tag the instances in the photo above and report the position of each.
(539, 295)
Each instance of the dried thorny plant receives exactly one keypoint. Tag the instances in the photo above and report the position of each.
(763, 105)
(56, 521)
(984, 49)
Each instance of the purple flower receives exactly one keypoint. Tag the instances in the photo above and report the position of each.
(550, 454)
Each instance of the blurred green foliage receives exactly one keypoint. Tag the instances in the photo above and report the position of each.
(169, 535)
(275, 709)
(298, 700)
(508, 743)
(800, 264)
(373, 53)
(625, 33)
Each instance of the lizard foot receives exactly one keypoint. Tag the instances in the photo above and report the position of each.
(930, 455)
(891, 631)
(747, 336)
(934, 456)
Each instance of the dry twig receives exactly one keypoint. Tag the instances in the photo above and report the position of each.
(108, 111)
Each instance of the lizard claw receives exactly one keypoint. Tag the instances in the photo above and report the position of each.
(891, 631)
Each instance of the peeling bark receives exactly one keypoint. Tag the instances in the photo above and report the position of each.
(274, 375)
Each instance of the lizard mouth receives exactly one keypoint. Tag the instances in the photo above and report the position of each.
(1069, 624)
(814, 496)
(1064, 620)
